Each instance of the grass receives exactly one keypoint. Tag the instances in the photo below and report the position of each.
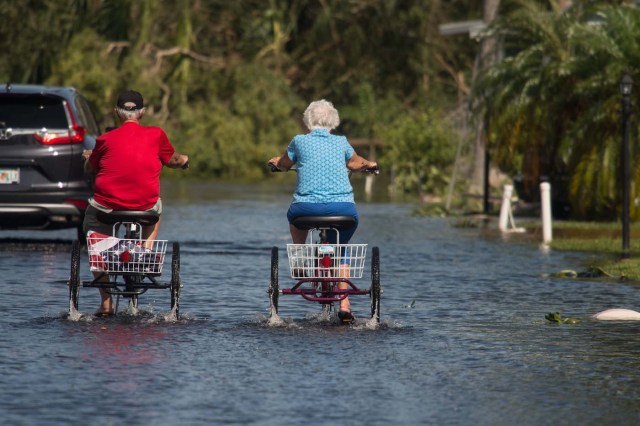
(602, 239)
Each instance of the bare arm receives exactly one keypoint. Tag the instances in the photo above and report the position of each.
(359, 164)
(282, 163)
(88, 167)
(178, 161)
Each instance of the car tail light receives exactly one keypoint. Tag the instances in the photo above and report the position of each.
(75, 133)
(80, 204)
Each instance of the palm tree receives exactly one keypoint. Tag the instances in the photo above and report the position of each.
(485, 58)
(606, 47)
(552, 102)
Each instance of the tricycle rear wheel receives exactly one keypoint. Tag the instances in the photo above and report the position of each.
(274, 290)
(375, 291)
(175, 278)
(74, 278)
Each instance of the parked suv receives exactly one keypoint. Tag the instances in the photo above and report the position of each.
(43, 131)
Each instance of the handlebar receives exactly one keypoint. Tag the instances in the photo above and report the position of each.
(372, 170)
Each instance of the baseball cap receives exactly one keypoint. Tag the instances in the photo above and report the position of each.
(130, 100)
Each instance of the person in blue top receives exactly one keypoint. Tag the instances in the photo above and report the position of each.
(323, 161)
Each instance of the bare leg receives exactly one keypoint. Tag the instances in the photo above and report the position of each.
(299, 236)
(345, 305)
(150, 233)
(106, 304)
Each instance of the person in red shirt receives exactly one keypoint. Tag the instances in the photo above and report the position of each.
(127, 162)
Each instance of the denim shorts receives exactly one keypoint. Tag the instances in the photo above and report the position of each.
(327, 209)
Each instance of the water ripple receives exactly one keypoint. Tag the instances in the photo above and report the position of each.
(463, 339)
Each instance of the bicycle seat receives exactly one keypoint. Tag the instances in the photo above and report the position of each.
(117, 216)
(314, 222)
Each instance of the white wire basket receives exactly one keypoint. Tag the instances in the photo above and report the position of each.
(112, 254)
(326, 260)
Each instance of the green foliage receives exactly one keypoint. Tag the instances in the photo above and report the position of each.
(368, 111)
(235, 137)
(268, 102)
(553, 103)
(94, 78)
(420, 150)
(529, 95)
(229, 80)
(219, 143)
(32, 35)
(603, 53)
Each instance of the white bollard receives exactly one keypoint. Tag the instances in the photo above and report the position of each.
(503, 223)
(368, 185)
(545, 201)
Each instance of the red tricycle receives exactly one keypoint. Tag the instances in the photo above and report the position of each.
(123, 263)
(318, 266)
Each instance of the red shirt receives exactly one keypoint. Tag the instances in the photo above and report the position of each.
(129, 160)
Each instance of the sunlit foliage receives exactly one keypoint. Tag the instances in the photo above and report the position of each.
(229, 80)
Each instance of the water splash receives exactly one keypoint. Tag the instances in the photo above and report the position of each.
(146, 315)
(323, 317)
(74, 314)
(132, 309)
(370, 324)
(274, 320)
(171, 316)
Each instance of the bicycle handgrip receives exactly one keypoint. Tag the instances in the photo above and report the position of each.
(373, 170)
(273, 168)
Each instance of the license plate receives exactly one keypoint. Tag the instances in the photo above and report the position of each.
(9, 176)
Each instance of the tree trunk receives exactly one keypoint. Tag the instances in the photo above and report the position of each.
(486, 58)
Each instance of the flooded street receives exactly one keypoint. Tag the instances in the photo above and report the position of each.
(462, 339)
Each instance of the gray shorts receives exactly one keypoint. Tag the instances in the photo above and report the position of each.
(91, 222)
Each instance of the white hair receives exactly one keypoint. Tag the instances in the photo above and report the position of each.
(125, 114)
(321, 115)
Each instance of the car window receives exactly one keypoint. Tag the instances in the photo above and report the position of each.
(87, 117)
(32, 112)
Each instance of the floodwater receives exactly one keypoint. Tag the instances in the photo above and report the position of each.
(463, 338)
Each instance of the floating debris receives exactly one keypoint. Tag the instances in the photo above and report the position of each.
(557, 318)
(411, 305)
(618, 314)
(592, 272)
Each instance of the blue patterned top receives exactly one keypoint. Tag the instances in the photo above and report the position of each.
(321, 159)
